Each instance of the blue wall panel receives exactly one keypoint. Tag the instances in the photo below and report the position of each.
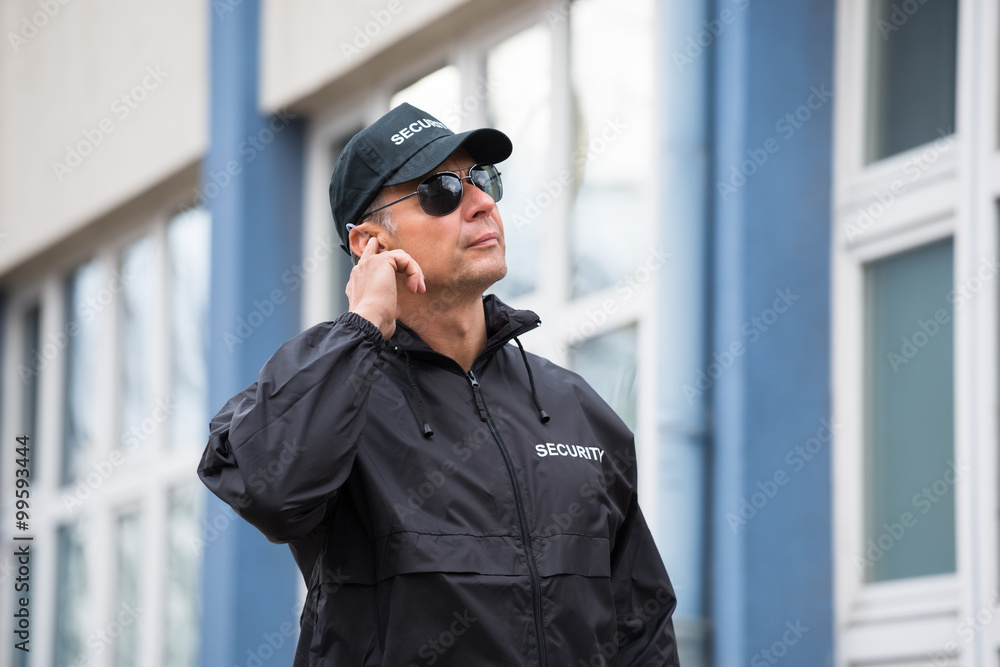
(252, 183)
(771, 521)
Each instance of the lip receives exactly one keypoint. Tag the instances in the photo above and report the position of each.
(486, 240)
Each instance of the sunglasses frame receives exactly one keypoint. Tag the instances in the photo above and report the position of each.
(461, 179)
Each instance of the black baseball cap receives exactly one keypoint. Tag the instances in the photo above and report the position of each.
(402, 145)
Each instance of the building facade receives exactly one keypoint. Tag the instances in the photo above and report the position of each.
(764, 231)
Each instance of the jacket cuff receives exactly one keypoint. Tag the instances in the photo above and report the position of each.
(365, 327)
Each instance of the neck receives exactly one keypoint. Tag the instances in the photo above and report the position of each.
(453, 325)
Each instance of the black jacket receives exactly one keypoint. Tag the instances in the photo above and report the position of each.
(504, 537)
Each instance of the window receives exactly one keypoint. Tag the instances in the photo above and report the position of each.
(609, 363)
(111, 352)
(911, 87)
(612, 84)
(128, 603)
(182, 582)
(188, 238)
(436, 93)
(915, 322)
(911, 467)
(28, 373)
(520, 106)
(73, 588)
(137, 302)
(81, 369)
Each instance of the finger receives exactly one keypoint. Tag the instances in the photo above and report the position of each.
(409, 267)
(371, 248)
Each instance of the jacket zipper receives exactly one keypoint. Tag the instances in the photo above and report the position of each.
(536, 587)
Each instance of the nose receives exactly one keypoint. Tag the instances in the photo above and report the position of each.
(476, 202)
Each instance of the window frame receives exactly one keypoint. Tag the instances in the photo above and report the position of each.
(956, 196)
(142, 482)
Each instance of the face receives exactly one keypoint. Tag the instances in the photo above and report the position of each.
(463, 250)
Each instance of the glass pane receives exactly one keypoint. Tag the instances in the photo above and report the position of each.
(84, 301)
(182, 611)
(910, 527)
(128, 575)
(72, 587)
(136, 321)
(30, 365)
(911, 86)
(608, 363)
(520, 106)
(189, 239)
(437, 94)
(613, 82)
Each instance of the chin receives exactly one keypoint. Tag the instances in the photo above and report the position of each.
(483, 275)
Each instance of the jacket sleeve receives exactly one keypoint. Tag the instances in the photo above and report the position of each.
(279, 451)
(644, 597)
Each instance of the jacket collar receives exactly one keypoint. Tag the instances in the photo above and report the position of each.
(503, 323)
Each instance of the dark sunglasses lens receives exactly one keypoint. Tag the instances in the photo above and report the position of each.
(440, 194)
(487, 178)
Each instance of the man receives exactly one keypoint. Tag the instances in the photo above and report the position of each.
(449, 498)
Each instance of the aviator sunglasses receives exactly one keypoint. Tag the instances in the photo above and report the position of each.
(441, 193)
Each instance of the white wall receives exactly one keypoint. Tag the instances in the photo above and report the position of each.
(309, 43)
(65, 66)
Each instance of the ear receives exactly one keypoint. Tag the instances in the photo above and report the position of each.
(357, 239)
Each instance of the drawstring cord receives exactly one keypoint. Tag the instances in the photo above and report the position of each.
(428, 431)
(542, 414)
